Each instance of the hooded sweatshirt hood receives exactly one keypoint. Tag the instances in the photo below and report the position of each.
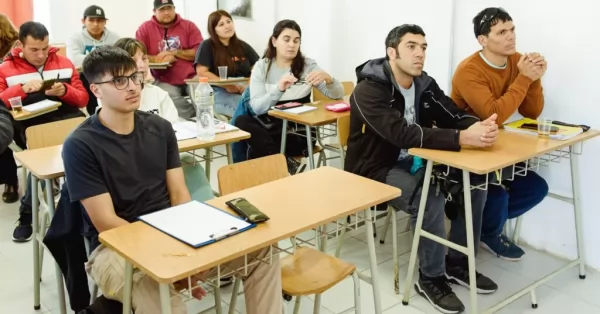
(82, 43)
(379, 70)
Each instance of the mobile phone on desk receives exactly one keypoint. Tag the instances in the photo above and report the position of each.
(246, 210)
(289, 105)
(534, 127)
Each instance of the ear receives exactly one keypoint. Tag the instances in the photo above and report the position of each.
(19, 44)
(83, 21)
(95, 90)
(483, 40)
(391, 52)
(273, 41)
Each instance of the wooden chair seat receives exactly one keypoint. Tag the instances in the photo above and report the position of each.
(310, 271)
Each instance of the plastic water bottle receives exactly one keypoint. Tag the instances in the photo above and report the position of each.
(205, 118)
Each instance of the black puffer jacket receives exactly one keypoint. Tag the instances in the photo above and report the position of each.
(378, 130)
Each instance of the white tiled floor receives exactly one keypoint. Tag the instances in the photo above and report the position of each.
(564, 294)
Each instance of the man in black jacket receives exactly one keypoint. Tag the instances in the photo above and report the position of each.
(396, 106)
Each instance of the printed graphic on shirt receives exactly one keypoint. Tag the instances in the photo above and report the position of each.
(153, 111)
(171, 43)
(88, 48)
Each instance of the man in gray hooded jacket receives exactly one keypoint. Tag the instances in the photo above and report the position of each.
(93, 34)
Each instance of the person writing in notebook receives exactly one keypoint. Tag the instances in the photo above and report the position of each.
(499, 80)
(122, 163)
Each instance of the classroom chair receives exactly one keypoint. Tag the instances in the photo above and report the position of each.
(307, 271)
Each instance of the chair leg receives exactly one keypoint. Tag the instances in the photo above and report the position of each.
(317, 307)
(341, 237)
(517, 231)
(297, 305)
(356, 280)
(386, 224)
(43, 226)
(218, 303)
(392, 213)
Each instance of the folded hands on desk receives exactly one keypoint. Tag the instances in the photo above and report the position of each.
(480, 134)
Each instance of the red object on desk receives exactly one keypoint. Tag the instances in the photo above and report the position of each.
(339, 107)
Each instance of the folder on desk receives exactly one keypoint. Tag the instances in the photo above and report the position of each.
(196, 224)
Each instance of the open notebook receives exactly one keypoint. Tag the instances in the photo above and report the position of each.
(41, 105)
(187, 129)
(196, 224)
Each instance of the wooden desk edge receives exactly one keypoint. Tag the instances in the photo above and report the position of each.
(243, 135)
(34, 114)
(574, 141)
(173, 278)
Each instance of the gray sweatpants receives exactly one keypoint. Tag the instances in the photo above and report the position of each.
(432, 254)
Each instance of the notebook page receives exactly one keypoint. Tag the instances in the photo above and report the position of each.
(194, 222)
(40, 105)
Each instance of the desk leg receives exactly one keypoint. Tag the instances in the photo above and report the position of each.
(283, 135)
(373, 261)
(470, 240)
(311, 160)
(58, 272)
(207, 162)
(229, 154)
(36, 244)
(128, 285)
(417, 236)
(577, 210)
(165, 298)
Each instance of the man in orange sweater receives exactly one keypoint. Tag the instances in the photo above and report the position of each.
(499, 80)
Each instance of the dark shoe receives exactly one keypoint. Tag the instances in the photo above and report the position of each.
(502, 247)
(11, 193)
(292, 165)
(439, 293)
(224, 282)
(457, 272)
(24, 229)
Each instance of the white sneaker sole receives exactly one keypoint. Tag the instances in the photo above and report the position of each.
(466, 285)
(489, 249)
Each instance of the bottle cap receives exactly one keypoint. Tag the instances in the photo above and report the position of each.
(203, 79)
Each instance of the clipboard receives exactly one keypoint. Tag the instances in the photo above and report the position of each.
(196, 224)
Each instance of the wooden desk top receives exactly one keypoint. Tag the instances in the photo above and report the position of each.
(47, 163)
(511, 148)
(318, 117)
(25, 114)
(330, 194)
(220, 82)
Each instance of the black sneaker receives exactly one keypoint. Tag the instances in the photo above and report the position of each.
(439, 293)
(224, 282)
(24, 229)
(457, 272)
(292, 165)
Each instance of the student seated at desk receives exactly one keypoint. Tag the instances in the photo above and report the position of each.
(93, 34)
(22, 75)
(223, 48)
(173, 39)
(499, 80)
(283, 75)
(394, 107)
(153, 98)
(122, 163)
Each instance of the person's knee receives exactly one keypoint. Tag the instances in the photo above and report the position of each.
(539, 187)
(497, 198)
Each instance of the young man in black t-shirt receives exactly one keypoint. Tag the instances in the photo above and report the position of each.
(122, 163)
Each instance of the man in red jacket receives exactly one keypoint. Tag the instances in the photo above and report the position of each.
(22, 74)
(171, 38)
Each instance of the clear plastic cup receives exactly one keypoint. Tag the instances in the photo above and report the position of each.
(16, 104)
(223, 72)
(544, 126)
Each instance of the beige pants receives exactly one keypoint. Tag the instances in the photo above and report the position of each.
(262, 286)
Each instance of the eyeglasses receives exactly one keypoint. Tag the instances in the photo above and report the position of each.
(122, 82)
(490, 16)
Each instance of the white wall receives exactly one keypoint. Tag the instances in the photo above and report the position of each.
(564, 34)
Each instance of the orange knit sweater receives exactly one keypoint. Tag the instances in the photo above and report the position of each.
(484, 90)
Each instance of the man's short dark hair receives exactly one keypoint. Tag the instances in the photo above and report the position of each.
(487, 18)
(107, 60)
(394, 37)
(34, 29)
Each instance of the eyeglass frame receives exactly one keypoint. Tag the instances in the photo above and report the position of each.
(487, 18)
(129, 79)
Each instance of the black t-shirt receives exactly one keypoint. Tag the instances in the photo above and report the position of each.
(244, 64)
(132, 168)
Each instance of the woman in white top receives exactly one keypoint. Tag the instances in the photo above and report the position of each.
(153, 99)
(283, 75)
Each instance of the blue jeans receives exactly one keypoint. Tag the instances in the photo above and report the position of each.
(521, 195)
(26, 199)
(225, 102)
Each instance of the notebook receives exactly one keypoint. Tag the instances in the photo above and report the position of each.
(196, 224)
(299, 110)
(40, 105)
(187, 129)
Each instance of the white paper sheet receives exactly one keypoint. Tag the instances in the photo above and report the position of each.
(40, 105)
(299, 110)
(187, 129)
(195, 223)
